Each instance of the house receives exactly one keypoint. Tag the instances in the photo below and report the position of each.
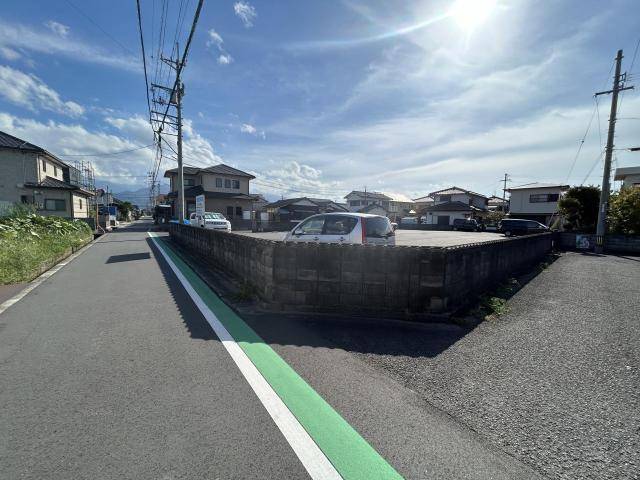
(454, 203)
(225, 189)
(294, 210)
(30, 174)
(497, 204)
(629, 176)
(422, 203)
(357, 201)
(535, 201)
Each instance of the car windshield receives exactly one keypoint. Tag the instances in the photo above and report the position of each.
(214, 216)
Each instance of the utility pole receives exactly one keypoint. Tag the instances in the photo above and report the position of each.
(618, 86)
(504, 190)
(175, 99)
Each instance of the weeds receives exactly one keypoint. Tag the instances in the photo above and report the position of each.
(245, 293)
(28, 240)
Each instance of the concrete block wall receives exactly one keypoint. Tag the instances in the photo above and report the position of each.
(612, 243)
(472, 269)
(362, 278)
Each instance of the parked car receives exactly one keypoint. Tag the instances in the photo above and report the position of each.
(409, 220)
(210, 220)
(517, 226)
(466, 225)
(359, 228)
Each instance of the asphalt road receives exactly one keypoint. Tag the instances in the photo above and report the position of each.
(555, 382)
(422, 238)
(110, 371)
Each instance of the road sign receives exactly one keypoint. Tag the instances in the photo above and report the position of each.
(200, 204)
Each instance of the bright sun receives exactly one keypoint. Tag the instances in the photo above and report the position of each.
(468, 14)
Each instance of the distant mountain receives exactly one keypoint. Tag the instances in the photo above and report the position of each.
(138, 197)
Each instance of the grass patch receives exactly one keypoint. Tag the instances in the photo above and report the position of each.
(494, 303)
(27, 241)
(245, 293)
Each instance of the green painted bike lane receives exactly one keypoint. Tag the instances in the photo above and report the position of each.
(349, 453)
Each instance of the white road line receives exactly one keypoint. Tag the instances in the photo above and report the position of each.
(38, 280)
(312, 458)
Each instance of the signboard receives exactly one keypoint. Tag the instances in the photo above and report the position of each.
(200, 204)
(583, 242)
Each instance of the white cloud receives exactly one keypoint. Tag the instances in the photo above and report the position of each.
(251, 130)
(225, 59)
(67, 139)
(30, 92)
(247, 128)
(15, 35)
(214, 39)
(9, 54)
(57, 28)
(246, 12)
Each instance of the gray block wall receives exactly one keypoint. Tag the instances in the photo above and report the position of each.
(362, 278)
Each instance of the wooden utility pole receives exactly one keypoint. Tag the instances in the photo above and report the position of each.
(618, 86)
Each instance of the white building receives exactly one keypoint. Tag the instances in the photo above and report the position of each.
(454, 203)
(629, 176)
(535, 201)
(358, 201)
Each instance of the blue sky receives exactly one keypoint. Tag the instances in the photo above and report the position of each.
(320, 98)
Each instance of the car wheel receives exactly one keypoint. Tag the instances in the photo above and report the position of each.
(507, 233)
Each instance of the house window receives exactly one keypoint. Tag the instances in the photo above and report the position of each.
(236, 184)
(55, 171)
(80, 202)
(218, 182)
(354, 203)
(445, 198)
(24, 199)
(239, 211)
(44, 165)
(543, 198)
(55, 205)
(189, 182)
(229, 211)
(227, 183)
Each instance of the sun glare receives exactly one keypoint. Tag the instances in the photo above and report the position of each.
(468, 14)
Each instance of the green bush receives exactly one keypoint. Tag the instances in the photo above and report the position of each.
(28, 240)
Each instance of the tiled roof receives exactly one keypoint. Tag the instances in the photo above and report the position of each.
(50, 182)
(452, 207)
(287, 201)
(455, 190)
(371, 206)
(372, 195)
(220, 169)
(9, 141)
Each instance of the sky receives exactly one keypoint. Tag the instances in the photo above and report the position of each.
(319, 98)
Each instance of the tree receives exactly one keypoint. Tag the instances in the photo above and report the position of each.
(624, 212)
(579, 207)
(125, 209)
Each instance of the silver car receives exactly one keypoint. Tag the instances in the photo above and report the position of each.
(354, 228)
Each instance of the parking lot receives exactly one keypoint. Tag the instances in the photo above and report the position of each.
(416, 238)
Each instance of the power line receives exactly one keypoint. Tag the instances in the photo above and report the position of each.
(144, 58)
(115, 40)
(105, 154)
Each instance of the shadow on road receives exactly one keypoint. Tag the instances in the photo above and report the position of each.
(192, 318)
(129, 257)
